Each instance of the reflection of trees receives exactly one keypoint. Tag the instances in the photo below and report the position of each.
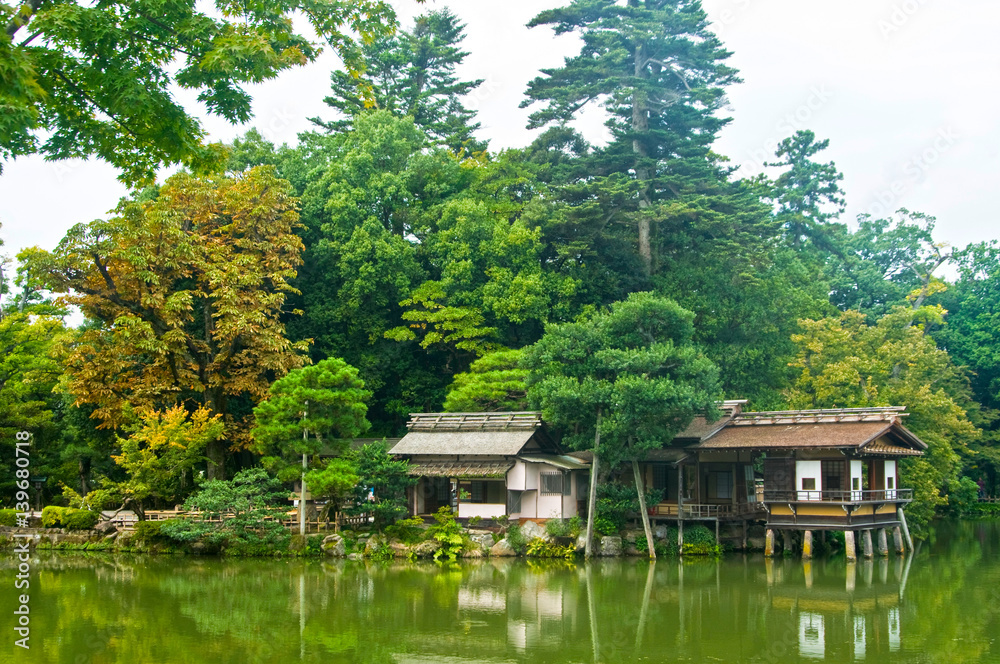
(106, 610)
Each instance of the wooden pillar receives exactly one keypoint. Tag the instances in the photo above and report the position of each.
(807, 544)
(680, 537)
(866, 544)
(680, 507)
(906, 529)
(849, 549)
(769, 544)
(897, 540)
(744, 534)
(883, 546)
(717, 542)
(852, 575)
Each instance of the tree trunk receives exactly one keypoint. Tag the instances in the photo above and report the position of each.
(216, 453)
(588, 551)
(84, 467)
(640, 489)
(640, 125)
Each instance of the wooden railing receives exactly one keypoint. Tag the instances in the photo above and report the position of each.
(705, 511)
(879, 496)
(127, 521)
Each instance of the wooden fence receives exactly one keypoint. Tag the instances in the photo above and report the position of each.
(127, 520)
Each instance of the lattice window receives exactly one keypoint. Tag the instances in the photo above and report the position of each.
(552, 484)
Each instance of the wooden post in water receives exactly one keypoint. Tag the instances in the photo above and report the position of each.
(906, 529)
(807, 544)
(769, 543)
(897, 540)
(849, 549)
(866, 544)
(883, 546)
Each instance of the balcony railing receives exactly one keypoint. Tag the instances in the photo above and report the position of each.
(704, 511)
(880, 496)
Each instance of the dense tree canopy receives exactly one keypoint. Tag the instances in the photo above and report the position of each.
(620, 287)
(78, 79)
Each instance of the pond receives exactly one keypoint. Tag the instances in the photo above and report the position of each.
(940, 605)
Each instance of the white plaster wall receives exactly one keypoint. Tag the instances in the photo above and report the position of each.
(484, 510)
(550, 507)
(890, 471)
(857, 471)
(804, 469)
(529, 504)
(516, 476)
(531, 475)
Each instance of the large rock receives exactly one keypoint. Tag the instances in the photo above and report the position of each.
(531, 530)
(581, 542)
(474, 552)
(502, 549)
(373, 544)
(354, 556)
(334, 546)
(483, 540)
(426, 549)
(106, 528)
(660, 532)
(611, 546)
(399, 550)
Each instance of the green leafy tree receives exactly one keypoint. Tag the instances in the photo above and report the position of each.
(244, 512)
(971, 336)
(496, 381)
(413, 73)
(160, 454)
(622, 383)
(381, 489)
(313, 406)
(78, 79)
(186, 287)
(885, 261)
(844, 362)
(334, 480)
(807, 193)
(660, 74)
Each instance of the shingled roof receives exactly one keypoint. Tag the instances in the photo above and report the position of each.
(493, 434)
(863, 429)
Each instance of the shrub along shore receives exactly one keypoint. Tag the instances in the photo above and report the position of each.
(445, 539)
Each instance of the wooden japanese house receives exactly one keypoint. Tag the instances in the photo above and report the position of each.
(489, 465)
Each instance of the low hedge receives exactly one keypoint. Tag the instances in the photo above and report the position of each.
(8, 518)
(69, 518)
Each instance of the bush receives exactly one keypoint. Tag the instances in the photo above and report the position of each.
(700, 541)
(516, 539)
(52, 516)
(69, 518)
(8, 518)
(409, 531)
(539, 548)
(557, 528)
(448, 533)
(148, 531)
(80, 519)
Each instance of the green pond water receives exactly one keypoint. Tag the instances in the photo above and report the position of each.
(940, 605)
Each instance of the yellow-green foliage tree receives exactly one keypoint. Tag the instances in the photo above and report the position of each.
(186, 290)
(843, 362)
(160, 454)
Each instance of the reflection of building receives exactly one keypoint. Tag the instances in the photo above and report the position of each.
(489, 465)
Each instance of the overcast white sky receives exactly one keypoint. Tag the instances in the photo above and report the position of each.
(906, 91)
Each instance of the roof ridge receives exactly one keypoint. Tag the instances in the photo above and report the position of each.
(491, 420)
(820, 415)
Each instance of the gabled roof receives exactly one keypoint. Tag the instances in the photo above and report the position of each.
(491, 434)
(867, 430)
(701, 429)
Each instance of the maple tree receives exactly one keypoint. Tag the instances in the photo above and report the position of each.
(187, 287)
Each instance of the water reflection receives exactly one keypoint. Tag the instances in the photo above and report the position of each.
(105, 609)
